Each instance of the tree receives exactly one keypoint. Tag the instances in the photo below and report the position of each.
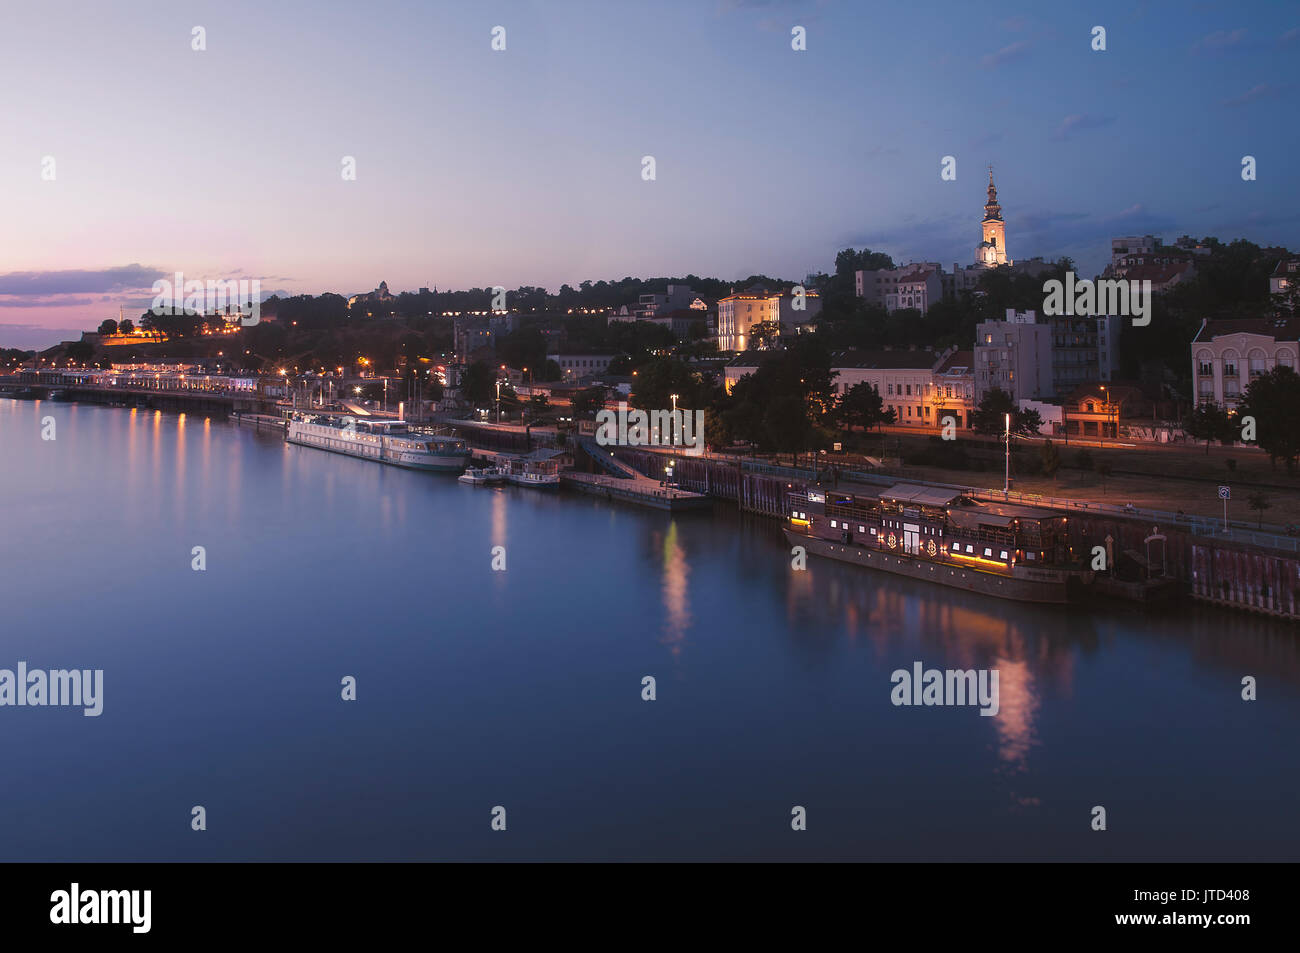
(990, 416)
(787, 426)
(763, 333)
(1209, 422)
(108, 327)
(479, 384)
(126, 327)
(586, 402)
(1051, 458)
(1272, 399)
(539, 402)
(1259, 502)
(861, 405)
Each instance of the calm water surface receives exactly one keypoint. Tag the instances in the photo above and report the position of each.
(523, 688)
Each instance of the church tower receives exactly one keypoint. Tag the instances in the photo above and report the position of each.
(992, 251)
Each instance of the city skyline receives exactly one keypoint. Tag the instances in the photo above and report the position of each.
(767, 159)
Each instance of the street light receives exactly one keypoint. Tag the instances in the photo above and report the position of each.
(1006, 481)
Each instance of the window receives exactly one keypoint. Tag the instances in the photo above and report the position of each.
(956, 547)
(873, 531)
(909, 390)
(1004, 554)
(927, 410)
(833, 525)
(889, 389)
(988, 551)
(970, 548)
(1229, 369)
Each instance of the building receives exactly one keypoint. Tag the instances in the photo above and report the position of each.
(881, 286)
(920, 386)
(1128, 245)
(1284, 276)
(1228, 355)
(1097, 410)
(738, 312)
(954, 388)
(684, 322)
(916, 289)
(576, 366)
(380, 294)
(1014, 355)
(791, 317)
(992, 251)
(1085, 350)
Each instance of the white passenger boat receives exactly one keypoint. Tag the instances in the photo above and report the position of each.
(387, 441)
(482, 476)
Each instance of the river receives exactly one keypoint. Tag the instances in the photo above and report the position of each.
(522, 688)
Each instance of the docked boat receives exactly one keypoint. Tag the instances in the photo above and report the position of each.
(387, 441)
(482, 476)
(941, 536)
(540, 469)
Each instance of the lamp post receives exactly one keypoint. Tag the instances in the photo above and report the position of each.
(1105, 409)
(673, 425)
(1006, 480)
(498, 401)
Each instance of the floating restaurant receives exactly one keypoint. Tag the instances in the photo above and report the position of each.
(942, 536)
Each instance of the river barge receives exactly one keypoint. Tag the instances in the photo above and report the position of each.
(941, 536)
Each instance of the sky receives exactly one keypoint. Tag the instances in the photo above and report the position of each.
(524, 166)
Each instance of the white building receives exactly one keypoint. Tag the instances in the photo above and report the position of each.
(1228, 355)
(738, 312)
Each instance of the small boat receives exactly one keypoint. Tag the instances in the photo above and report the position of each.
(540, 469)
(481, 476)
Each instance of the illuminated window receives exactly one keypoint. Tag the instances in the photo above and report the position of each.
(956, 547)
(833, 524)
(862, 529)
(970, 548)
(988, 551)
(1004, 554)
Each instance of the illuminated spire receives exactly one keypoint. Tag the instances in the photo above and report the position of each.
(992, 210)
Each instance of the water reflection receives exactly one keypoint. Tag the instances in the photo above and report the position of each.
(676, 591)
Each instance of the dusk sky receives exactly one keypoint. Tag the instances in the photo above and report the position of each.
(523, 167)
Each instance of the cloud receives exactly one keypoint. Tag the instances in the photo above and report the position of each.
(1008, 54)
(1219, 42)
(35, 337)
(36, 285)
(1078, 122)
(1254, 94)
